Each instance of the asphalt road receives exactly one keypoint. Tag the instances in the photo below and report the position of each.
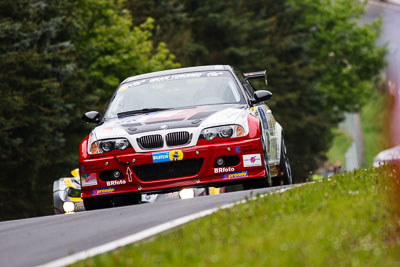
(35, 241)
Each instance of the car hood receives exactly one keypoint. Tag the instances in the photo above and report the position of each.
(192, 119)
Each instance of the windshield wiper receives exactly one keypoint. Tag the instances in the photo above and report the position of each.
(140, 111)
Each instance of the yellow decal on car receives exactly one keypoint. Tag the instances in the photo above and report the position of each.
(68, 182)
(175, 155)
(76, 199)
(75, 172)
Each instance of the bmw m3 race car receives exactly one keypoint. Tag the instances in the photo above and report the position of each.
(182, 128)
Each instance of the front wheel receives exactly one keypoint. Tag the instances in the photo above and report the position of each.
(95, 203)
(104, 202)
(284, 165)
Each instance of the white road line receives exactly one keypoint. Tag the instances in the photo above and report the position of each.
(149, 232)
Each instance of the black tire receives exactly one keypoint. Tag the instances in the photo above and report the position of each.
(266, 180)
(95, 203)
(127, 199)
(284, 165)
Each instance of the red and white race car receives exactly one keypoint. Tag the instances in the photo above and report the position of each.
(182, 128)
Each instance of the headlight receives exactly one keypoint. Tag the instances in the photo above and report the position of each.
(73, 192)
(186, 193)
(227, 131)
(104, 146)
(68, 207)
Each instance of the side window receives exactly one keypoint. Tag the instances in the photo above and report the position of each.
(249, 89)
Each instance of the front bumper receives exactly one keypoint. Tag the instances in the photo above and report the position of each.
(207, 174)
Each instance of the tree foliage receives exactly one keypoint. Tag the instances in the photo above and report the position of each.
(58, 59)
(320, 61)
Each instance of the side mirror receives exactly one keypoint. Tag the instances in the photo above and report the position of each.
(91, 117)
(262, 95)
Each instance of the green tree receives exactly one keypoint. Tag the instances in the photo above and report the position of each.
(57, 60)
(34, 64)
(320, 61)
(110, 48)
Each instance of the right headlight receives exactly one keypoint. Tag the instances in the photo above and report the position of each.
(226, 131)
(104, 146)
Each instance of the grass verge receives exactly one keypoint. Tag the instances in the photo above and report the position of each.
(342, 222)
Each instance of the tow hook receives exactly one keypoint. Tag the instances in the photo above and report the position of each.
(121, 162)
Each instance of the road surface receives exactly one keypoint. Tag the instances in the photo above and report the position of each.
(36, 241)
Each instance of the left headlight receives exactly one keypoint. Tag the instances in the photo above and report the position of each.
(227, 131)
(68, 207)
(104, 146)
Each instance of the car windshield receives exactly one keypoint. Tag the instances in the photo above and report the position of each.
(175, 91)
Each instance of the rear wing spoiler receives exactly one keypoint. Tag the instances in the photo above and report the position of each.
(256, 75)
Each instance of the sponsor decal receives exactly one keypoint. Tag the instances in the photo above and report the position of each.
(102, 191)
(175, 155)
(116, 182)
(88, 179)
(79, 206)
(92, 168)
(176, 77)
(237, 149)
(224, 169)
(252, 160)
(160, 157)
(166, 156)
(179, 76)
(234, 175)
(214, 74)
(138, 83)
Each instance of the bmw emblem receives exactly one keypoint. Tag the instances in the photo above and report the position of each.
(163, 127)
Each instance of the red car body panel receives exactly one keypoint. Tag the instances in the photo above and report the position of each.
(125, 161)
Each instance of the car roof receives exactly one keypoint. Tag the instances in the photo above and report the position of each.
(177, 71)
